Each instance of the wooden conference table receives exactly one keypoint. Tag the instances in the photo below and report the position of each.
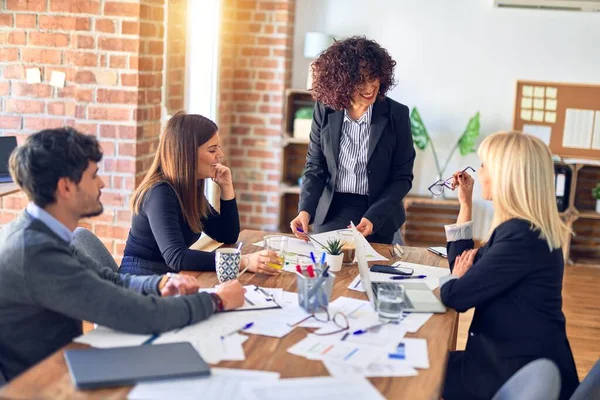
(50, 378)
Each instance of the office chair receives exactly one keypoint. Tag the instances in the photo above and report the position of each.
(89, 244)
(589, 388)
(538, 380)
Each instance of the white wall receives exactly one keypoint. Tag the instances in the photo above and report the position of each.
(458, 57)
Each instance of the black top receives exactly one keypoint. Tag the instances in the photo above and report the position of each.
(159, 232)
(515, 286)
(390, 159)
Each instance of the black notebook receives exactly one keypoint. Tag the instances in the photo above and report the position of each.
(97, 368)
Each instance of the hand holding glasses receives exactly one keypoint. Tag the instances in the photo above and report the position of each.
(437, 189)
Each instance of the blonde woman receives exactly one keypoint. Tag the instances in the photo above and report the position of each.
(514, 280)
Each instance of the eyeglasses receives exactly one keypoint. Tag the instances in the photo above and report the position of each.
(438, 188)
(339, 319)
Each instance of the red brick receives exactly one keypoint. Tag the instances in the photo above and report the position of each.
(43, 123)
(134, 62)
(17, 37)
(9, 54)
(24, 106)
(108, 131)
(41, 56)
(85, 42)
(26, 5)
(90, 129)
(4, 88)
(75, 6)
(129, 79)
(256, 51)
(118, 62)
(116, 96)
(85, 77)
(122, 9)
(260, 153)
(10, 122)
(127, 149)
(105, 25)
(109, 113)
(111, 44)
(25, 21)
(61, 108)
(130, 27)
(48, 39)
(14, 71)
(57, 22)
(86, 95)
(6, 20)
(31, 90)
(81, 59)
(108, 148)
(124, 216)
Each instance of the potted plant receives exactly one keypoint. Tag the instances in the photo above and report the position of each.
(596, 195)
(465, 143)
(334, 254)
(303, 122)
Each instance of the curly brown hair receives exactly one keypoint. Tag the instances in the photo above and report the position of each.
(340, 69)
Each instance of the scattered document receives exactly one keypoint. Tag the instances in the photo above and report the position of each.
(273, 327)
(433, 275)
(104, 338)
(314, 388)
(411, 352)
(412, 322)
(256, 298)
(374, 370)
(223, 383)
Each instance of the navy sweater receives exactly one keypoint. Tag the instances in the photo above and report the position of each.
(159, 232)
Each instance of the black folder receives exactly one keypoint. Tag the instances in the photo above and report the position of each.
(98, 368)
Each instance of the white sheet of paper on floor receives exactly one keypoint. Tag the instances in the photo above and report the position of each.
(103, 337)
(223, 383)
(314, 388)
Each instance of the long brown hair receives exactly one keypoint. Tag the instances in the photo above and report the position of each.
(176, 163)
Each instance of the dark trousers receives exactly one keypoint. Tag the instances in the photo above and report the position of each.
(138, 266)
(346, 207)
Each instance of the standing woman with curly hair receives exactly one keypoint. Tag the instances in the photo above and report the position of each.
(360, 156)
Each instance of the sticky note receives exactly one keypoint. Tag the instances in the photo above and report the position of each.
(551, 92)
(550, 117)
(538, 91)
(551, 104)
(538, 104)
(526, 115)
(528, 91)
(57, 79)
(526, 102)
(538, 116)
(33, 75)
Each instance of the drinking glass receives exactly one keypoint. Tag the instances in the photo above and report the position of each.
(390, 301)
(349, 248)
(277, 244)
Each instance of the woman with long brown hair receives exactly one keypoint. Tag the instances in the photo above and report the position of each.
(170, 210)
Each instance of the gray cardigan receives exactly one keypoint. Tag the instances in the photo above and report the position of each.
(47, 288)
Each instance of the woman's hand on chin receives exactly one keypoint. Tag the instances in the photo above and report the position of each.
(223, 178)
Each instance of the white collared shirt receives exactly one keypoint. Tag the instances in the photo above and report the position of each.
(55, 225)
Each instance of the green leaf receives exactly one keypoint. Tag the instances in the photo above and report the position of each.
(304, 113)
(596, 192)
(466, 143)
(419, 132)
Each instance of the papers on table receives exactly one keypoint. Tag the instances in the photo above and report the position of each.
(205, 243)
(103, 338)
(433, 275)
(412, 322)
(314, 388)
(255, 299)
(411, 352)
(374, 370)
(223, 383)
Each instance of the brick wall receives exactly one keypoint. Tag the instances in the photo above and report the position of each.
(176, 42)
(256, 67)
(112, 54)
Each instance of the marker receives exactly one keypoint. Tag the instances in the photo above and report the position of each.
(152, 338)
(248, 325)
(397, 278)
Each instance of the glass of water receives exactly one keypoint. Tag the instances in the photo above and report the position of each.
(390, 301)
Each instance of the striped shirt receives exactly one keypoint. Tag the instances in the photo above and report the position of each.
(354, 145)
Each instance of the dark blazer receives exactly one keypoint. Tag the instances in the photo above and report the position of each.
(391, 156)
(515, 286)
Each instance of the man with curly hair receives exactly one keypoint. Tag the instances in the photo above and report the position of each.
(360, 157)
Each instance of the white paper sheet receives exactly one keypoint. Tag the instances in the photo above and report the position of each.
(103, 338)
(414, 354)
(255, 299)
(412, 322)
(433, 275)
(314, 388)
(221, 384)
(578, 128)
(376, 369)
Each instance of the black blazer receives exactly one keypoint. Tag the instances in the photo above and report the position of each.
(391, 156)
(515, 286)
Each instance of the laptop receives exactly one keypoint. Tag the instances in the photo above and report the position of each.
(7, 145)
(98, 368)
(418, 297)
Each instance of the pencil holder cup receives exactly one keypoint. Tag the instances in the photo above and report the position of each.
(320, 296)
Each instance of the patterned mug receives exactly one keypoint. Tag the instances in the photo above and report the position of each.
(227, 263)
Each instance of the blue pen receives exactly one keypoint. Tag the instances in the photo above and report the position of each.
(247, 326)
(323, 260)
(397, 278)
(312, 257)
(151, 338)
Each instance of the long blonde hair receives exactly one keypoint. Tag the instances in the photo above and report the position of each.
(175, 163)
(521, 170)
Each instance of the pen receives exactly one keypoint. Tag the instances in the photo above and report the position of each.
(312, 257)
(248, 325)
(357, 283)
(151, 338)
(311, 271)
(299, 270)
(322, 260)
(397, 278)
(248, 301)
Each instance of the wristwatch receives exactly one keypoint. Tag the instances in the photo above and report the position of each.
(217, 302)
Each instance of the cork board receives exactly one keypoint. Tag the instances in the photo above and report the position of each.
(566, 116)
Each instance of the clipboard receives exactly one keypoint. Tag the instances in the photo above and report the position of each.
(256, 298)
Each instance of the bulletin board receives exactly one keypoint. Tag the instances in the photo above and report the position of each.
(566, 116)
